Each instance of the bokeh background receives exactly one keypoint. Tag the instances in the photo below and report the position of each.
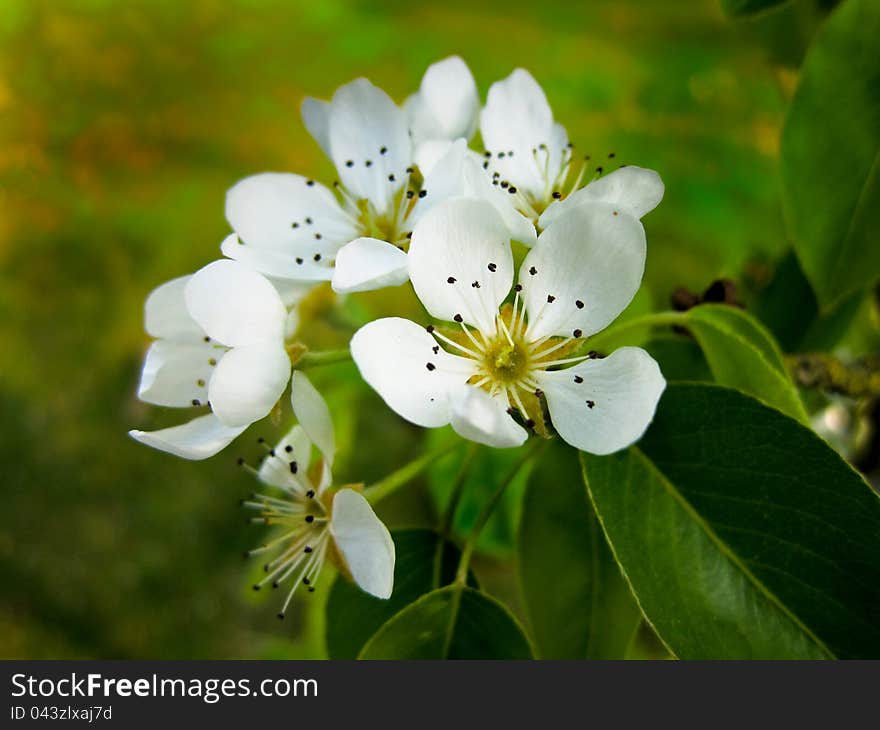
(122, 124)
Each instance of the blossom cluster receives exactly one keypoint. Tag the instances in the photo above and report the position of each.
(418, 201)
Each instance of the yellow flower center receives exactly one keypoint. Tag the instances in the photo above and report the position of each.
(394, 224)
(504, 362)
(508, 361)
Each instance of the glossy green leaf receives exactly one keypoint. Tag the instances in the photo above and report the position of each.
(424, 562)
(454, 622)
(747, 8)
(742, 354)
(679, 357)
(830, 154)
(498, 538)
(741, 532)
(579, 605)
(801, 326)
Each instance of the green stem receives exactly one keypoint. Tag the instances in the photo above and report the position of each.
(457, 489)
(461, 574)
(399, 478)
(449, 513)
(325, 357)
(648, 320)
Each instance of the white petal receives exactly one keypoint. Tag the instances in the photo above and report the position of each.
(294, 448)
(477, 184)
(313, 415)
(393, 356)
(518, 119)
(588, 266)
(445, 178)
(459, 173)
(430, 152)
(316, 117)
(291, 292)
(200, 438)
(296, 266)
(477, 416)
(285, 212)
(364, 121)
(165, 312)
(368, 263)
(248, 381)
(235, 305)
(446, 104)
(176, 373)
(291, 325)
(363, 542)
(623, 388)
(633, 189)
(460, 262)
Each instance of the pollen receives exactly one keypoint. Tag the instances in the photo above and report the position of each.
(506, 363)
(393, 225)
(509, 360)
(302, 542)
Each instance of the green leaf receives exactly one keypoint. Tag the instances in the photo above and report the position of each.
(498, 538)
(455, 622)
(746, 8)
(831, 155)
(424, 562)
(742, 533)
(802, 327)
(742, 354)
(679, 357)
(578, 603)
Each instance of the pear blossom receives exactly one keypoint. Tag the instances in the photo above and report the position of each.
(220, 342)
(317, 521)
(292, 227)
(493, 372)
(528, 155)
(445, 108)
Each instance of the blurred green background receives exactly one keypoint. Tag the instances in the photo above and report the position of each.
(121, 126)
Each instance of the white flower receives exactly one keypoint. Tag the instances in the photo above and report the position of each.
(316, 521)
(291, 227)
(528, 155)
(501, 361)
(220, 342)
(444, 109)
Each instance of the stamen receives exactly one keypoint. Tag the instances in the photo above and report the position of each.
(519, 315)
(288, 560)
(482, 381)
(281, 509)
(567, 360)
(512, 390)
(302, 542)
(316, 558)
(292, 484)
(273, 543)
(290, 568)
(484, 340)
(580, 177)
(350, 205)
(522, 204)
(453, 343)
(265, 499)
(317, 563)
(500, 321)
(248, 468)
(553, 348)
